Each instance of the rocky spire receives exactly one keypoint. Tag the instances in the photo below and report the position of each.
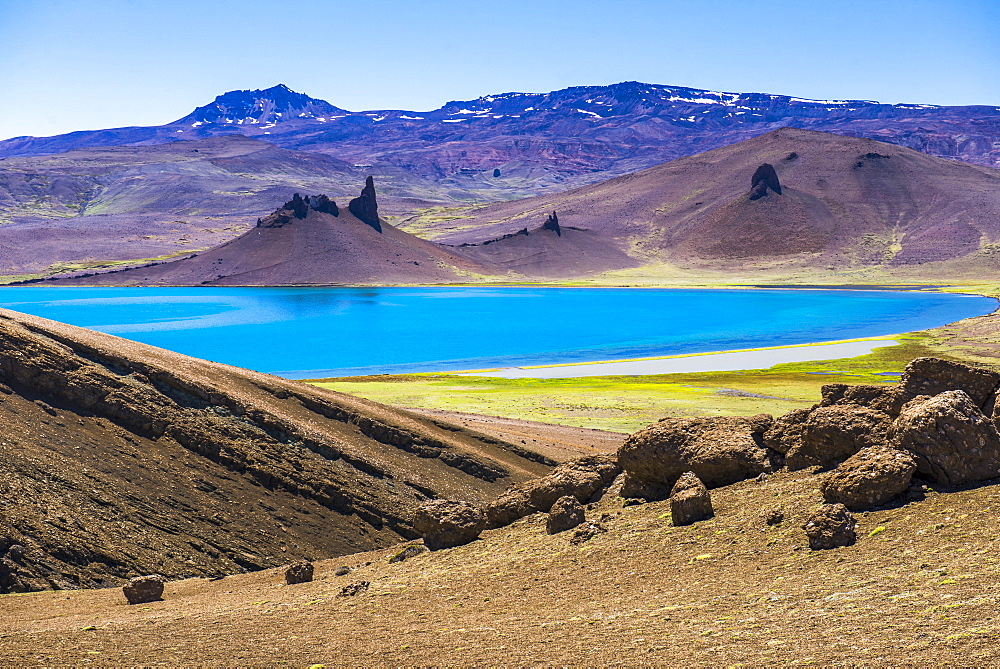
(365, 207)
(764, 179)
(552, 223)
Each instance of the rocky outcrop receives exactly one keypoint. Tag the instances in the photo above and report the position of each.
(763, 181)
(951, 439)
(143, 589)
(298, 208)
(830, 526)
(552, 223)
(690, 500)
(719, 450)
(365, 206)
(445, 523)
(579, 478)
(869, 478)
(323, 205)
(565, 514)
(831, 434)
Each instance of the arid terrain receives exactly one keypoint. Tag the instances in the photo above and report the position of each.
(107, 495)
(919, 586)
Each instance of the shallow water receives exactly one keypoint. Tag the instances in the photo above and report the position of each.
(317, 332)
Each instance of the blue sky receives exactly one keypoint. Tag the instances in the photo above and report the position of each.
(75, 64)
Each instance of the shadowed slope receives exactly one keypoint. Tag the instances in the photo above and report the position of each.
(119, 458)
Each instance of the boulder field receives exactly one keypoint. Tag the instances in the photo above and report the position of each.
(865, 443)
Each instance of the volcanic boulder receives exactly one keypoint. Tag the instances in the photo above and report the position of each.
(832, 434)
(565, 514)
(689, 500)
(932, 376)
(887, 398)
(785, 434)
(580, 478)
(445, 523)
(764, 179)
(299, 572)
(143, 589)
(830, 526)
(719, 450)
(365, 207)
(952, 440)
(869, 478)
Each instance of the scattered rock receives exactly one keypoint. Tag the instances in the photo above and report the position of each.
(869, 478)
(496, 172)
(142, 589)
(932, 376)
(565, 514)
(353, 589)
(365, 207)
(689, 500)
(831, 434)
(299, 572)
(343, 570)
(952, 441)
(552, 223)
(582, 478)
(587, 531)
(445, 523)
(830, 526)
(774, 517)
(719, 450)
(764, 179)
(407, 553)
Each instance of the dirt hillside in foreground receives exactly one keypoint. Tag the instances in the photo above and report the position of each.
(921, 586)
(118, 458)
(844, 203)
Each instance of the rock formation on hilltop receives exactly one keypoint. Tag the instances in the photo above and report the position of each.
(365, 207)
(552, 223)
(298, 208)
(763, 180)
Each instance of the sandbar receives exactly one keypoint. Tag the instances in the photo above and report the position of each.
(724, 361)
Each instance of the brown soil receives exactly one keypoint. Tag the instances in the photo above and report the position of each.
(920, 586)
(559, 442)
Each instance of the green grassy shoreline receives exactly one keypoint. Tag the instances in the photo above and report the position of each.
(627, 403)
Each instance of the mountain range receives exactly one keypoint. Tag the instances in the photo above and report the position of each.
(790, 203)
(515, 142)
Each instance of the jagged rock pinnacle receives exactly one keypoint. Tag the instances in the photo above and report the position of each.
(365, 207)
(763, 180)
(552, 223)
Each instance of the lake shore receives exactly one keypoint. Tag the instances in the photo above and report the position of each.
(715, 361)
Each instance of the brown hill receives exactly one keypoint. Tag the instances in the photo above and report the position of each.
(119, 458)
(550, 250)
(313, 241)
(309, 241)
(844, 203)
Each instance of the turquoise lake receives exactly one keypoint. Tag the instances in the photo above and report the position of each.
(318, 332)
